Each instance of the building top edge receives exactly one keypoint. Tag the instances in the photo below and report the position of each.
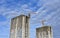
(21, 16)
(44, 27)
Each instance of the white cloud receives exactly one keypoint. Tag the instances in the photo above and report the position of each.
(25, 6)
(49, 4)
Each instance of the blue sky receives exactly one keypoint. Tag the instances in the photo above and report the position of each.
(48, 10)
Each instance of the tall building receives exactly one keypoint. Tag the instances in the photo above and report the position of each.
(20, 27)
(44, 32)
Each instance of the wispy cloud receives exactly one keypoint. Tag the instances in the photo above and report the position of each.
(46, 9)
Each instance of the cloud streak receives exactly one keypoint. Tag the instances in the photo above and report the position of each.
(46, 9)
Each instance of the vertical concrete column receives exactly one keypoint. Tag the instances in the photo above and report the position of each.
(36, 33)
(16, 27)
(27, 27)
(23, 27)
(12, 30)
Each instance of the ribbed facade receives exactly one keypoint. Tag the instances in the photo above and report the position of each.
(44, 32)
(20, 27)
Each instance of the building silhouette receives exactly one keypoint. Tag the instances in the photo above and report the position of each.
(20, 27)
(44, 32)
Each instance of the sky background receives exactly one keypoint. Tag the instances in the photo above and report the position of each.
(48, 10)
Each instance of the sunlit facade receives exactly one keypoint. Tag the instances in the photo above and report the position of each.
(44, 32)
(20, 27)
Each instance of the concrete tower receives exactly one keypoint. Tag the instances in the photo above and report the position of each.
(44, 32)
(20, 27)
